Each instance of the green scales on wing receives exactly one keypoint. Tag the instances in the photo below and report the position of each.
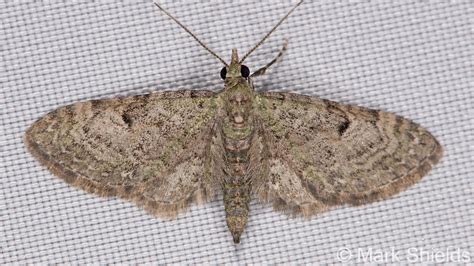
(166, 150)
(150, 149)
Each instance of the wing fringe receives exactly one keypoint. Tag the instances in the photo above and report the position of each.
(134, 194)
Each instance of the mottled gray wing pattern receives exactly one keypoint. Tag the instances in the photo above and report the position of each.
(152, 149)
(323, 153)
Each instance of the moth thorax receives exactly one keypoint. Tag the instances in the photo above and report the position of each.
(239, 107)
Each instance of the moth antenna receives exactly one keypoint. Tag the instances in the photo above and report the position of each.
(192, 34)
(270, 32)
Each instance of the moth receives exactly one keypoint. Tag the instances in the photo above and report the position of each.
(166, 150)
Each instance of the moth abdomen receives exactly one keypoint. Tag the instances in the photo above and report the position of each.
(236, 192)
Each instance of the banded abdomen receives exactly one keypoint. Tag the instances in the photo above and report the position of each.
(237, 186)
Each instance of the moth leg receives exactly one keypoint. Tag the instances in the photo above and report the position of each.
(262, 70)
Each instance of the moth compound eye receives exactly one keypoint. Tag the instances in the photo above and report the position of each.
(223, 72)
(244, 71)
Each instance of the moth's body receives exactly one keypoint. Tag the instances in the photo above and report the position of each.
(166, 150)
(237, 129)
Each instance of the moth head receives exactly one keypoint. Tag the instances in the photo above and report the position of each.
(235, 69)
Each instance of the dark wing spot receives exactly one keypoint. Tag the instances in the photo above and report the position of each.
(127, 120)
(343, 127)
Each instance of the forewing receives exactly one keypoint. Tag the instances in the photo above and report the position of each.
(152, 149)
(323, 153)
